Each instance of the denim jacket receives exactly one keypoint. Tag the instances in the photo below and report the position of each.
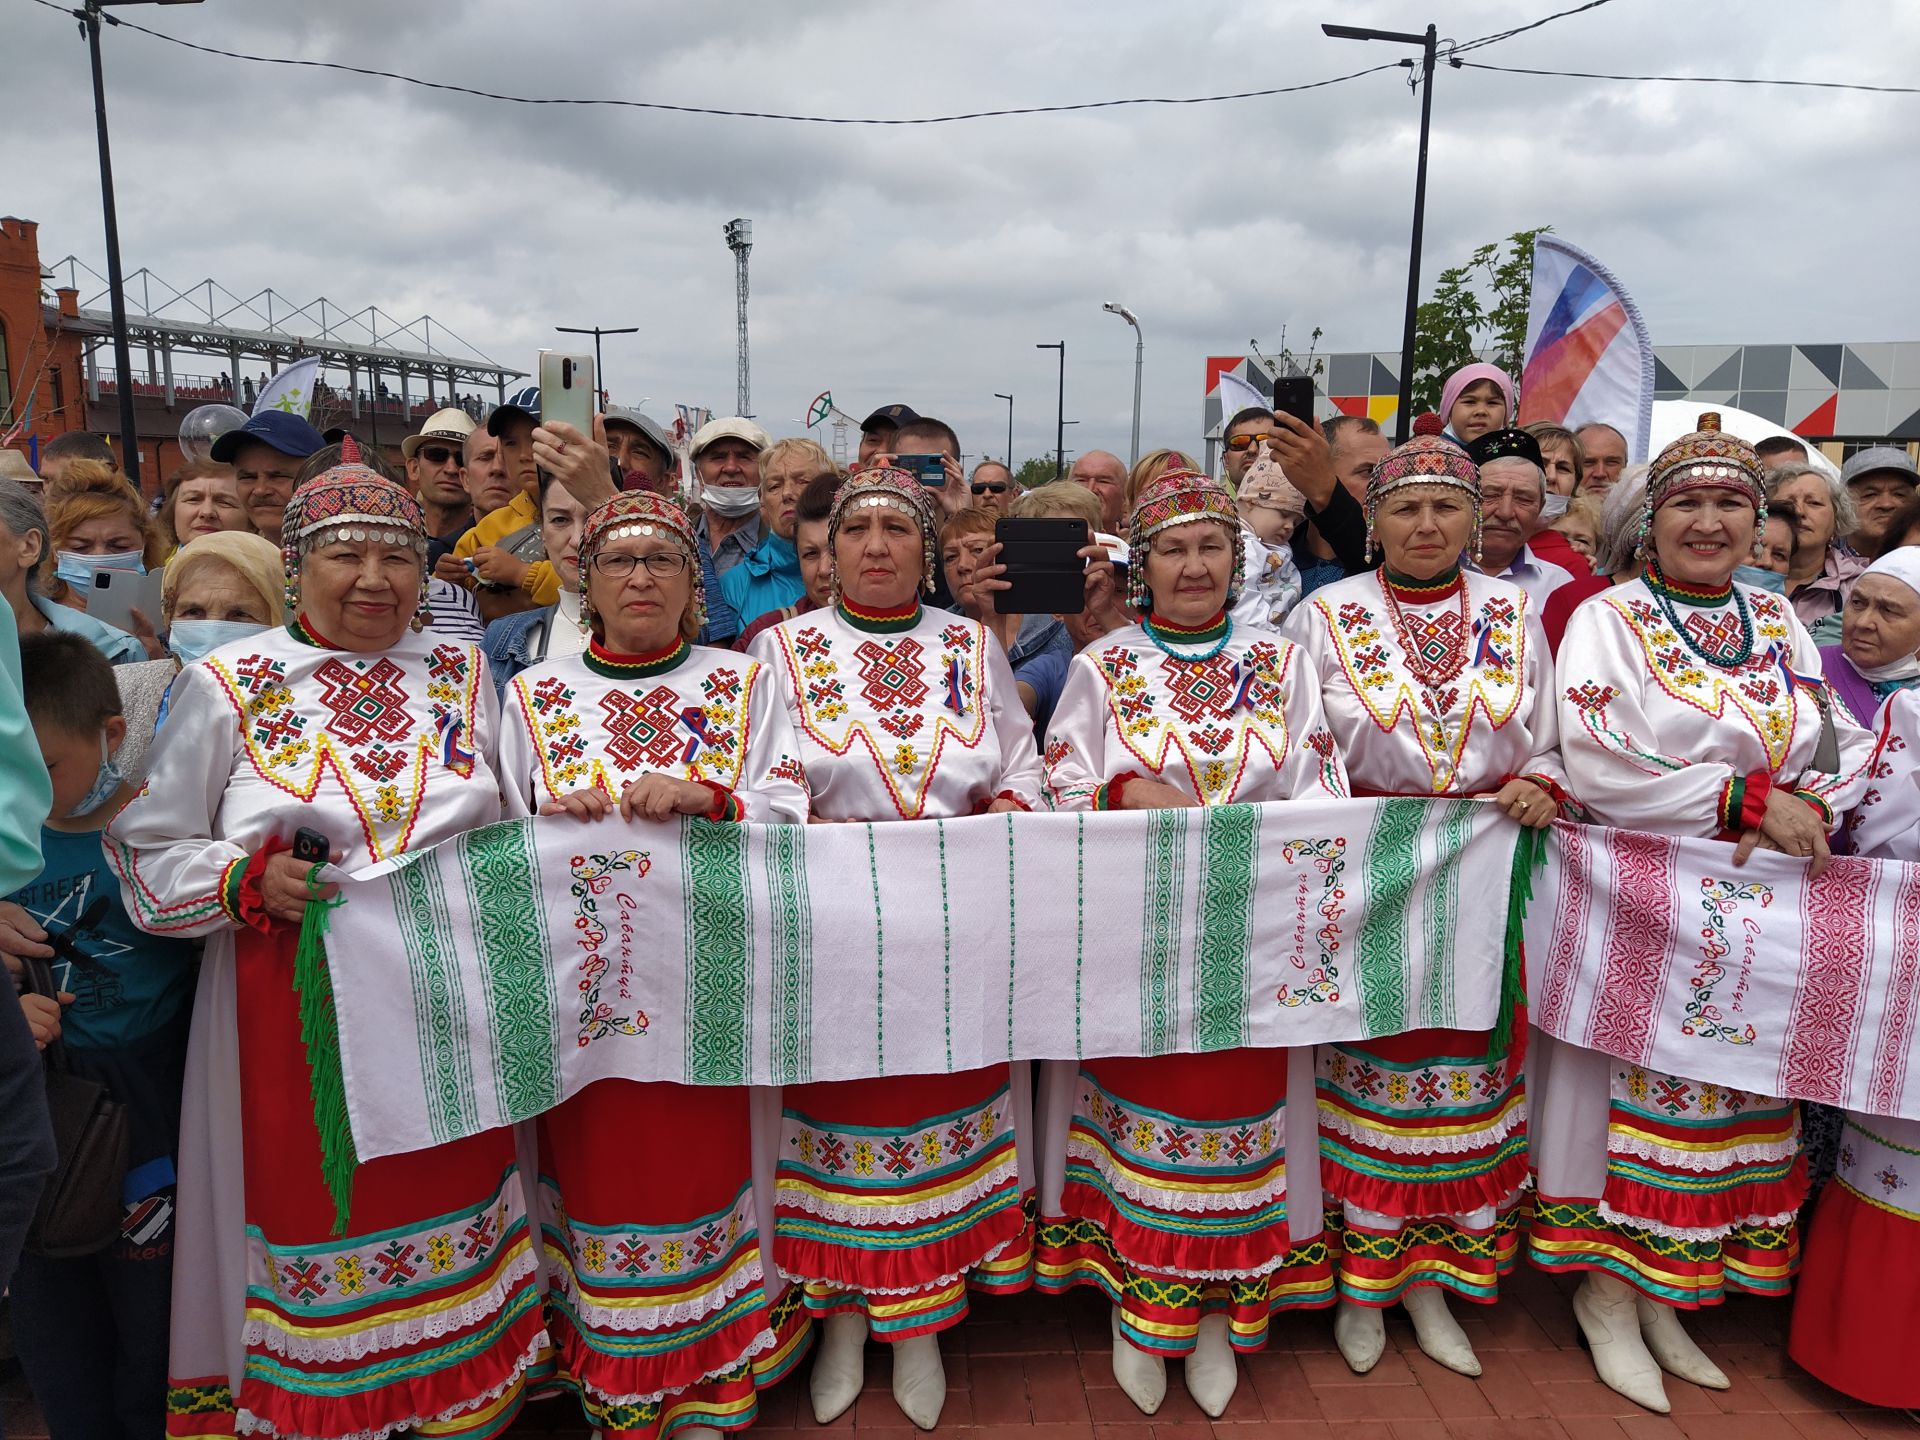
(514, 643)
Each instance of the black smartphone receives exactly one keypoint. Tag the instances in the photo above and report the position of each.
(1045, 573)
(931, 469)
(1293, 395)
(310, 846)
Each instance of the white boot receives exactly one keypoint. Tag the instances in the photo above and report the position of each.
(839, 1366)
(1669, 1344)
(1141, 1374)
(1437, 1331)
(1605, 1308)
(1212, 1374)
(1361, 1335)
(919, 1380)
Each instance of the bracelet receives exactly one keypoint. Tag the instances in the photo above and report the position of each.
(1107, 797)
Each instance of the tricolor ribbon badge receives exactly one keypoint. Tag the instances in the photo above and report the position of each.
(453, 753)
(695, 719)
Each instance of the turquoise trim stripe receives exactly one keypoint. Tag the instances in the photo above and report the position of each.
(1688, 1183)
(1211, 1225)
(333, 1384)
(718, 905)
(797, 1226)
(425, 1288)
(510, 929)
(1424, 1169)
(645, 1344)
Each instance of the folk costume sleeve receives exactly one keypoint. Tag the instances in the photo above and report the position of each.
(1888, 820)
(1020, 778)
(1076, 739)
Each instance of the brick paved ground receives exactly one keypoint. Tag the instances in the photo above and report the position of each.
(1031, 1368)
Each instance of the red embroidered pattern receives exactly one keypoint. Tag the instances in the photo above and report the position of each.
(642, 731)
(1824, 1029)
(1721, 636)
(1570, 921)
(1199, 688)
(367, 701)
(1635, 963)
(1895, 1042)
(893, 682)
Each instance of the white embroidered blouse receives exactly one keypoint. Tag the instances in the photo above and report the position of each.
(1448, 692)
(901, 720)
(705, 714)
(380, 753)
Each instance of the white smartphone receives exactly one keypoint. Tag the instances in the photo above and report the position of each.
(116, 594)
(567, 390)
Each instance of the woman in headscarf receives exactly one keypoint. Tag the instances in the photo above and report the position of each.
(1438, 683)
(1856, 1309)
(643, 723)
(311, 1298)
(1879, 633)
(1698, 709)
(902, 714)
(218, 588)
(1188, 707)
(1476, 400)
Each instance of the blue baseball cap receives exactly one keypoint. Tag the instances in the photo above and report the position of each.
(525, 402)
(277, 430)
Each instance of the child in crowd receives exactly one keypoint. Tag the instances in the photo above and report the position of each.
(92, 1332)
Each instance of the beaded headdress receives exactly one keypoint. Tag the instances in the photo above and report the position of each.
(1706, 459)
(355, 503)
(1178, 496)
(1424, 460)
(640, 512)
(886, 489)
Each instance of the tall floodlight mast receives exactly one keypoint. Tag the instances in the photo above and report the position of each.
(740, 241)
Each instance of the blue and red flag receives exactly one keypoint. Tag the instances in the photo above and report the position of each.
(1589, 357)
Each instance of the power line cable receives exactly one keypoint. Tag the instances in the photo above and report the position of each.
(657, 105)
(1697, 79)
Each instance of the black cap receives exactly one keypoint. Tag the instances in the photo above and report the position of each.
(522, 404)
(1505, 445)
(892, 415)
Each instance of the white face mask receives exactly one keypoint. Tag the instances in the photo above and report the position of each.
(1553, 507)
(732, 501)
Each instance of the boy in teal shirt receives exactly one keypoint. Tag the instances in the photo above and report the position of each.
(92, 1332)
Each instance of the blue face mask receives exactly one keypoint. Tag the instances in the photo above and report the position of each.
(107, 780)
(190, 639)
(1760, 579)
(77, 570)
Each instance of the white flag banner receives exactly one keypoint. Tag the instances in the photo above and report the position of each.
(1656, 950)
(485, 980)
(1589, 356)
(290, 389)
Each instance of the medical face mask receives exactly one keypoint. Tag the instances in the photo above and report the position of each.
(733, 501)
(77, 569)
(105, 781)
(1760, 579)
(191, 639)
(1553, 507)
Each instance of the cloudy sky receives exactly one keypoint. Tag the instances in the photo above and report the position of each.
(921, 264)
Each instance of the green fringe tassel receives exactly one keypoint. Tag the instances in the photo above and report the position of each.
(320, 1032)
(1529, 856)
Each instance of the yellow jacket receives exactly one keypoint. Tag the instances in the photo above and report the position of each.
(542, 581)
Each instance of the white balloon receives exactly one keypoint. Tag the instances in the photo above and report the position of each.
(202, 426)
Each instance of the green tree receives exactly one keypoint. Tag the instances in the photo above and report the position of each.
(1038, 471)
(1479, 308)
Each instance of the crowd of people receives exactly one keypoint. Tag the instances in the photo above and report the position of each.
(524, 619)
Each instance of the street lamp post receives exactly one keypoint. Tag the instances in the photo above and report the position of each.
(599, 369)
(1428, 43)
(1060, 436)
(1114, 307)
(90, 20)
(1009, 399)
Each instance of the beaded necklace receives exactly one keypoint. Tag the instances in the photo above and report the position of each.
(1667, 591)
(1166, 635)
(1442, 655)
(602, 661)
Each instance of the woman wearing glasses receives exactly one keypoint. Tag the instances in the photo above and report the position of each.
(655, 1296)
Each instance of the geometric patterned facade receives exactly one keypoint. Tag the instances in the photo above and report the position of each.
(1838, 394)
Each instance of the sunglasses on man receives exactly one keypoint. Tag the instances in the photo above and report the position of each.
(1237, 443)
(438, 455)
(989, 487)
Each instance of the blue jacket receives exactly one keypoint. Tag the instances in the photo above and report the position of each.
(1040, 655)
(509, 645)
(766, 580)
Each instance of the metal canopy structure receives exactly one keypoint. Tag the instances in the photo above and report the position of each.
(206, 318)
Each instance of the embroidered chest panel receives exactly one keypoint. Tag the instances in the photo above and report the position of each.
(1760, 689)
(898, 699)
(605, 733)
(1214, 716)
(379, 725)
(1394, 671)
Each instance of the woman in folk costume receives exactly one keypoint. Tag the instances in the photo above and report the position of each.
(1438, 683)
(1856, 1308)
(646, 724)
(1188, 707)
(1697, 709)
(902, 713)
(295, 1313)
